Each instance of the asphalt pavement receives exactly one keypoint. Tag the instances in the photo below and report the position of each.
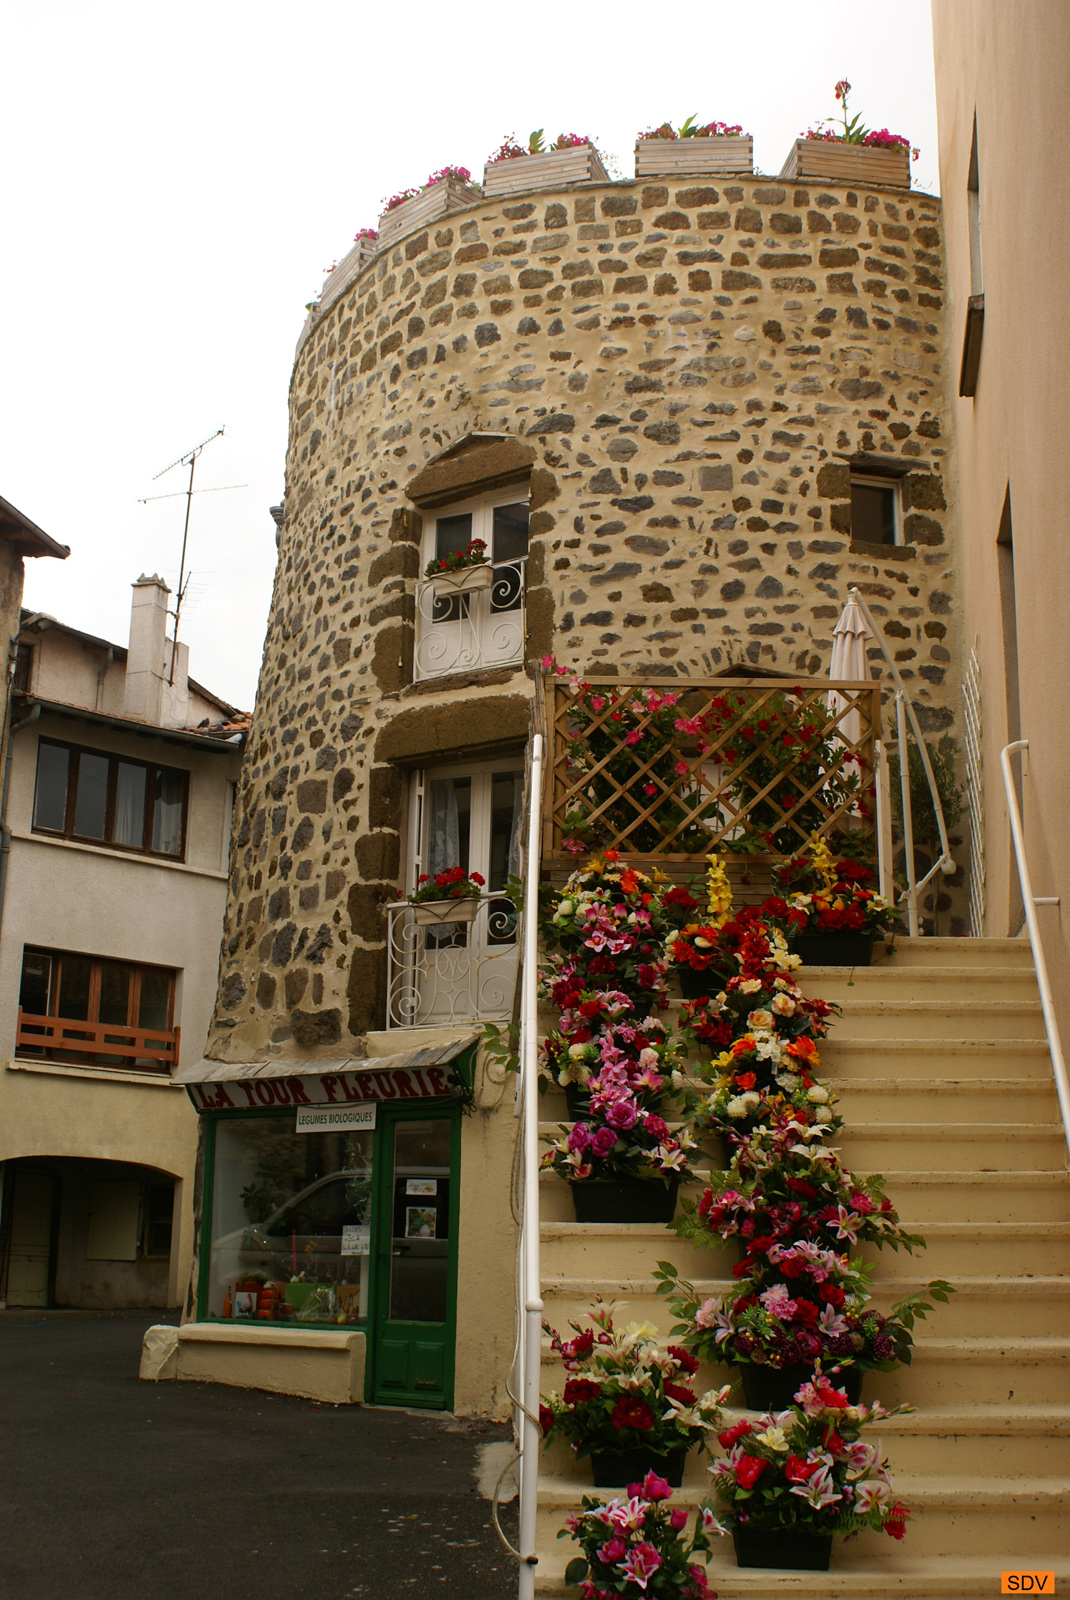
(114, 1489)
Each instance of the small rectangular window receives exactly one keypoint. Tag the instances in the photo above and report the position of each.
(874, 511)
(107, 799)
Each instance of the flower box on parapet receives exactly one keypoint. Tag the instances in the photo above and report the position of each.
(365, 248)
(437, 199)
(833, 161)
(715, 149)
(549, 169)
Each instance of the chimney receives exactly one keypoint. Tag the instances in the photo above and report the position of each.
(146, 661)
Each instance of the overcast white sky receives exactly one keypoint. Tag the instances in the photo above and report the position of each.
(179, 176)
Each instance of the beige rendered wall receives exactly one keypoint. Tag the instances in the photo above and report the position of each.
(1007, 62)
(486, 1255)
(108, 903)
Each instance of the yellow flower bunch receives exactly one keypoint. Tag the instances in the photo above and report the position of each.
(719, 892)
(821, 856)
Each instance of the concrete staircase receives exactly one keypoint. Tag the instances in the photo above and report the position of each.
(942, 1067)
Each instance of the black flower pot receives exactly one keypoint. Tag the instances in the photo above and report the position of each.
(624, 1199)
(615, 1469)
(694, 985)
(835, 949)
(787, 1549)
(774, 1388)
(578, 1101)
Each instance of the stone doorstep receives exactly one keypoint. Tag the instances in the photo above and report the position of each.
(325, 1364)
(267, 1334)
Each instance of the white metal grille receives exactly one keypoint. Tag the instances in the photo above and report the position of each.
(971, 694)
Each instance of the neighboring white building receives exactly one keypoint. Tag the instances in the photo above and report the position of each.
(113, 869)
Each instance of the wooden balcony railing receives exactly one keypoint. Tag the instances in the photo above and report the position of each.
(100, 1044)
(670, 771)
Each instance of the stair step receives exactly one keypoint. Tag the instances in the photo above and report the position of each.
(1001, 1249)
(869, 1568)
(948, 1146)
(990, 1441)
(980, 1197)
(843, 984)
(1005, 1307)
(946, 1101)
(967, 1057)
(941, 1019)
(951, 1515)
(962, 953)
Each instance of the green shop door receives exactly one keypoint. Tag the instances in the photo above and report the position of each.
(416, 1267)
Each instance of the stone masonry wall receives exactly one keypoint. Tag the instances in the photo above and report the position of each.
(686, 367)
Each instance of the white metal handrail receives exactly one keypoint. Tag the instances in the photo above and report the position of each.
(527, 1412)
(1031, 901)
(904, 712)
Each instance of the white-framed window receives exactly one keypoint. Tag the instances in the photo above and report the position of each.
(463, 628)
(875, 510)
(460, 815)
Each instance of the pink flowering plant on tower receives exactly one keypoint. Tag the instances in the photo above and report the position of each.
(693, 129)
(635, 1547)
(854, 130)
(809, 1469)
(624, 1390)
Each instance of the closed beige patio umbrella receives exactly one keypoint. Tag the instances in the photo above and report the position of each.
(849, 664)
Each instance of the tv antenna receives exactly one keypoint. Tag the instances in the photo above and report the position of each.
(190, 460)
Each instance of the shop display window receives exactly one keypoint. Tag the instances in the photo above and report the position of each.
(290, 1223)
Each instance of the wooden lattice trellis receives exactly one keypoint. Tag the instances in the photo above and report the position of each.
(756, 767)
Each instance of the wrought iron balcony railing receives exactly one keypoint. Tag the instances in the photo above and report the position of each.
(451, 972)
(462, 629)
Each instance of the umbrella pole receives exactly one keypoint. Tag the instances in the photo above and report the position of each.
(908, 818)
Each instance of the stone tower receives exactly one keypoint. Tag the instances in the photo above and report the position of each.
(680, 384)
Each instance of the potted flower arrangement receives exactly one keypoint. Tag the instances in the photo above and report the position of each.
(749, 945)
(623, 1163)
(715, 1021)
(759, 1077)
(449, 896)
(783, 1186)
(627, 1403)
(831, 914)
(852, 154)
(461, 571)
(594, 1030)
(796, 1307)
(793, 1481)
(571, 158)
(449, 189)
(699, 148)
(635, 1548)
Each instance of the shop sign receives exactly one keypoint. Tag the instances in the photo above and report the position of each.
(335, 1119)
(343, 1089)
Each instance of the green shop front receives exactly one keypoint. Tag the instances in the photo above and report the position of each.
(330, 1204)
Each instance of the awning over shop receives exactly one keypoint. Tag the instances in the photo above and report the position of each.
(425, 1071)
